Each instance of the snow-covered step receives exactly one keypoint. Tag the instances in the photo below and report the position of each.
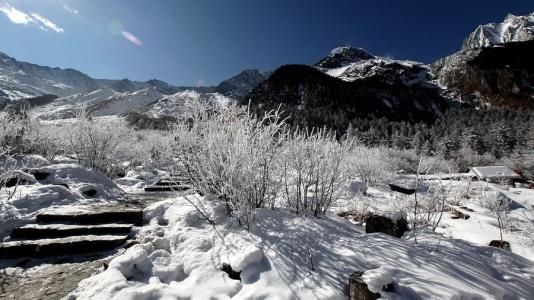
(62, 246)
(40, 231)
(176, 188)
(167, 183)
(128, 216)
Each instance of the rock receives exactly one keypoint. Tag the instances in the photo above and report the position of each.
(467, 208)
(376, 223)
(501, 244)
(89, 192)
(358, 289)
(39, 175)
(231, 273)
(456, 214)
(16, 178)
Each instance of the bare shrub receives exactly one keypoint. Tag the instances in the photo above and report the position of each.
(95, 146)
(525, 228)
(498, 204)
(229, 153)
(369, 164)
(314, 170)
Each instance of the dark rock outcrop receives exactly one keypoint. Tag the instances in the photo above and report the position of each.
(498, 76)
(226, 268)
(501, 244)
(376, 223)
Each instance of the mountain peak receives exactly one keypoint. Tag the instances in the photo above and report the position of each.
(343, 56)
(512, 29)
(241, 84)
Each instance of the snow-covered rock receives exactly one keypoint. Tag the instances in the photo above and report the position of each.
(377, 279)
(512, 29)
(64, 185)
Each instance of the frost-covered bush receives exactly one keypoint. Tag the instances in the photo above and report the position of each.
(408, 161)
(369, 164)
(314, 170)
(525, 227)
(250, 162)
(499, 205)
(15, 128)
(230, 154)
(95, 145)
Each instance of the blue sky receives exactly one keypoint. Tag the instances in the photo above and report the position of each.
(191, 42)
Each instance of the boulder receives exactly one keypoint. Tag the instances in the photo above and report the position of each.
(39, 175)
(231, 273)
(501, 244)
(14, 178)
(394, 227)
(456, 214)
(358, 289)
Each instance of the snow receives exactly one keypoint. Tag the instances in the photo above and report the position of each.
(495, 172)
(377, 279)
(63, 188)
(288, 256)
(249, 256)
(138, 178)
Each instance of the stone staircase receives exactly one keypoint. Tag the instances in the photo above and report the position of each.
(171, 183)
(72, 233)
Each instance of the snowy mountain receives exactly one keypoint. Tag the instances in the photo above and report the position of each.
(20, 80)
(175, 105)
(55, 92)
(350, 64)
(512, 29)
(157, 115)
(494, 67)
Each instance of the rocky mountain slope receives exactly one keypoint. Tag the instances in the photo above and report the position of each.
(350, 64)
(240, 85)
(491, 76)
(512, 29)
(495, 66)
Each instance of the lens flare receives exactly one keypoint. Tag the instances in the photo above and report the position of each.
(132, 38)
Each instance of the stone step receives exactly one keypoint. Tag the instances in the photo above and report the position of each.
(74, 245)
(41, 231)
(127, 216)
(177, 188)
(167, 183)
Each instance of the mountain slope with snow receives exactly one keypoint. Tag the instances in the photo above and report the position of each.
(350, 64)
(512, 29)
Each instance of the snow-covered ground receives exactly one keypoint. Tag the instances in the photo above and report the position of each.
(481, 227)
(180, 255)
(287, 256)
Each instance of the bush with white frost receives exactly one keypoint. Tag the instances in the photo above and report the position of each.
(250, 161)
(230, 154)
(369, 164)
(498, 204)
(314, 169)
(95, 146)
